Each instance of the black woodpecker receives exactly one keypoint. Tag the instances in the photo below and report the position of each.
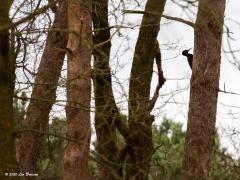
(189, 57)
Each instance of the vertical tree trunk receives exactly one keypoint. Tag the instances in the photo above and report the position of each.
(7, 76)
(140, 121)
(78, 90)
(44, 91)
(204, 89)
(106, 113)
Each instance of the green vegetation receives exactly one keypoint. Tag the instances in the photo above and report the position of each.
(168, 138)
(169, 147)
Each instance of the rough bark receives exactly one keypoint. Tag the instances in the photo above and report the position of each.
(106, 113)
(140, 121)
(78, 90)
(204, 89)
(7, 75)
(44, 91)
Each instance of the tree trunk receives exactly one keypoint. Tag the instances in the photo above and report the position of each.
(204, 89)
(106, 112)
(140, 121)
(78, 90)
(44, 92)
(7, 76)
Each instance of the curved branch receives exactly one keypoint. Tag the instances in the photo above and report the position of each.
(161, 78)
(189, 23)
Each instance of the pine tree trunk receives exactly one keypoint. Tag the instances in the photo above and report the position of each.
(44, 92)
(204, 89)
(7, 76)
(140, 121)
(106, 112)
(78, 90)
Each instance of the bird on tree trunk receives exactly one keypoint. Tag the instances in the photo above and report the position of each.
(189, 57)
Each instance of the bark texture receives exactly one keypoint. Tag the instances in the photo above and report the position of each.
(44, 92)
(78, 90)
(7, 76)
(140, 121)
(204, 89)
(106, 113)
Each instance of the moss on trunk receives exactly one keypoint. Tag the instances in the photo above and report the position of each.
(7, 75)
(140, 121)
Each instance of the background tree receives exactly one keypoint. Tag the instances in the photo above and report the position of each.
(50, 164)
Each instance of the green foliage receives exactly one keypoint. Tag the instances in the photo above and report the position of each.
(19, 106)
(50, 164)
(51, 161)
(168, 141)
(93, 165)
(224, 167)
(166, 162)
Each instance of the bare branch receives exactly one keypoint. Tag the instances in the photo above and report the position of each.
(34, 13)
(161, 78)
(189, 23)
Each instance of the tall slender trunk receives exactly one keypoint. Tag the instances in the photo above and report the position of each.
(106, 113)
(78, 90)
(204, 89)
(7, 76)
(140, 121)
(44, 92)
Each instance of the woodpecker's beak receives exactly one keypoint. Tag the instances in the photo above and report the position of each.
(189, 49)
